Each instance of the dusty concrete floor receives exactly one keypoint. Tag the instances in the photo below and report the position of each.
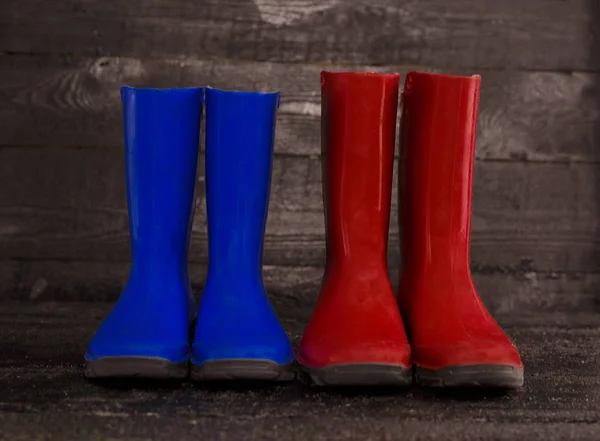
(43, 395)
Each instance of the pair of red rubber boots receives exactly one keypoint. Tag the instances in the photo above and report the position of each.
(357, 333)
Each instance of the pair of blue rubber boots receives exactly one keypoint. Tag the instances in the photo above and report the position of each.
(236, 333)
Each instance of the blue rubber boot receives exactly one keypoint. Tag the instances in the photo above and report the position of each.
(238, 335)
(147, 332)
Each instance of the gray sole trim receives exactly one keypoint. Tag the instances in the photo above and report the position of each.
(243, 369)
(357, 374)
(135, 367)
(476, 375)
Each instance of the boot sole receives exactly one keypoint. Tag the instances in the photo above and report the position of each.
(476, 375)
(356, 374)
(242, 370)
(135, 367)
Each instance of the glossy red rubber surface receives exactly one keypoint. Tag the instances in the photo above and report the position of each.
(356, 319)
(447, 322)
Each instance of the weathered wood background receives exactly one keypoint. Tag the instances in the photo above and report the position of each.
(536, 209)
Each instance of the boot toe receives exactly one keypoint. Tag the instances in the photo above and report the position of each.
(119, 346)
(277, 351)
(245, 329)
(387, 353)
(155, 333)
(246, 339)
(436, 357)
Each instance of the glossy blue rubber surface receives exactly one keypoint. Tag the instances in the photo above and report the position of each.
(153, 314)
(235, 318)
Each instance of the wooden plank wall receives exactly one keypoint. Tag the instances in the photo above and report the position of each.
(536, 210)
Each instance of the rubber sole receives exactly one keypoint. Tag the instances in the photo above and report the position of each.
(135, 367)
(242, 369)
(478, 375)
(357, 374)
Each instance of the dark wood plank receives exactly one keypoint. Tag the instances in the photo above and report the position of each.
(462, 33)
(292, 289)
(70, 204)
(66, 102)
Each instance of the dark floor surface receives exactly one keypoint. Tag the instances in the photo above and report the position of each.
(43, 395)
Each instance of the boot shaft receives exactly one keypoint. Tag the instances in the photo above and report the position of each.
(162, 129)
(437, 147)
(358, 129)
(239, 155)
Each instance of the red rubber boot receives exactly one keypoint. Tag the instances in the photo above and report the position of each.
(356, 335)
(454, 339)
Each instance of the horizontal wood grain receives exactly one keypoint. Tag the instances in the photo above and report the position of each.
(70, 204)
(52, 101)
(531, 35)
(291, 289)
(43, 280)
